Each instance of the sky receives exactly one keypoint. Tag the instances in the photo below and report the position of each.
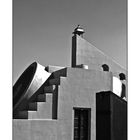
(42, 30)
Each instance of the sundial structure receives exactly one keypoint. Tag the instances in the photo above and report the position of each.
(87, 101)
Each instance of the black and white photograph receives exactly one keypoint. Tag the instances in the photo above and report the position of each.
(69, 70)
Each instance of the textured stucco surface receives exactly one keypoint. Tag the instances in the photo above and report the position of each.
(78, 89)
(85, 53)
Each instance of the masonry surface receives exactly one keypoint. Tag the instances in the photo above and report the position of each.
(49, 112)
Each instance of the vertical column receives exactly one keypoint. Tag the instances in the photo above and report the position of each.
(73, 57)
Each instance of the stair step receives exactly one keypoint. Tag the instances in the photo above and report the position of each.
(38, 110)
(52, 69)
(60, 73)
(22, 115)
(44, 109)
(41, 98)
(49, 89)
(55, 81)
(32, 106)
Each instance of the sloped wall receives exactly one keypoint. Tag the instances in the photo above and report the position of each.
(85, 53)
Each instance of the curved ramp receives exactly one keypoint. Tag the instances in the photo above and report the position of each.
(27, 86)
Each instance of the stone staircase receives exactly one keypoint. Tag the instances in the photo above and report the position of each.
(45, 104)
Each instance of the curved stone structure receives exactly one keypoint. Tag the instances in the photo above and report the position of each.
(117, 86)
(28, 84)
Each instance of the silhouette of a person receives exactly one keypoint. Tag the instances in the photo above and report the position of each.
(123, 93)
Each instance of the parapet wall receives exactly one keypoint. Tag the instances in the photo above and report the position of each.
(85, 53)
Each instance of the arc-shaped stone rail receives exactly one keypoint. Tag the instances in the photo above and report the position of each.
(28, 84)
